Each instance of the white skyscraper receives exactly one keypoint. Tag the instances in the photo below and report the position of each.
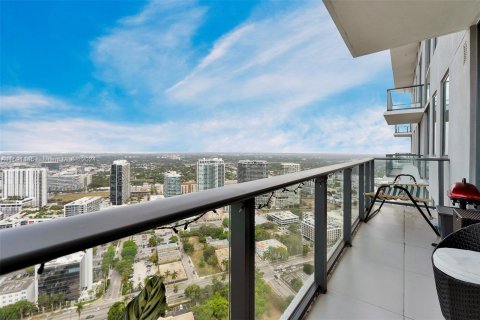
(171, 184)
(23, 183)
(119, 182)
(210, 173)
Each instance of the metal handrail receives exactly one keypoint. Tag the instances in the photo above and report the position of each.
(40, 243)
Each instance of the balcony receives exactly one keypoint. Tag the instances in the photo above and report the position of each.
(356, 261)
(403, 130)
(404, 105)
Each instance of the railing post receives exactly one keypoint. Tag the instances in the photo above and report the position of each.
(367, 177)
(361, 191)
(372, 176)
(347, 206)
(320, 274)
(441, 182)
(242, 260)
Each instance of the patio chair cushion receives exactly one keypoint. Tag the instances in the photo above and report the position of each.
(460, 264)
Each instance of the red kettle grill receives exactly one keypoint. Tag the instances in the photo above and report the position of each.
(464, 193)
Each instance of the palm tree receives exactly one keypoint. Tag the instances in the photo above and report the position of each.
(79, 309)
(174, 275)
(175, 288)
(167, 273)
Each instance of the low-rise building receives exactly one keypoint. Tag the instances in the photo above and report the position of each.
(82, 205)
(334, 228)
(12, 291)
(262, 246)
(283, 218)
(11, 207)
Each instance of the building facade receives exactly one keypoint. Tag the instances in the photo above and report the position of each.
(82, 205)
(172, 184)
(26, 183)
(60, 182)
(249, 170)
(12, 291)
(69, 275)
(210, 173)
(283, 218)
(119, 182)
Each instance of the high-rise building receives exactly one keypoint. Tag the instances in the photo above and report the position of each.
(82, 205)
(210, 173)
(171, 184)
(119, 182)
(249, 170)
(289, 167)
(25, 183)
(284, 198)
(62, 182)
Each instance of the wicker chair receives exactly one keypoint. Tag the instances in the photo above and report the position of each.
(458, 299)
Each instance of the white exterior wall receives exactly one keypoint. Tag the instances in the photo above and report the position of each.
(24, 294)
(448, 57)
(31, 182)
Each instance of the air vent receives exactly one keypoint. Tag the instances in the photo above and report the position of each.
(465, 52)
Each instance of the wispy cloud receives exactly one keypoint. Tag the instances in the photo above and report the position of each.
(281, 62)
(369, 134)
(22, 101)
(145, 53)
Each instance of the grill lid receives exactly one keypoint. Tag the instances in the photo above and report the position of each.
(464, 191)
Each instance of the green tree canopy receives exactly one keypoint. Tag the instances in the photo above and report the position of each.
(116, 310)
(214, 308)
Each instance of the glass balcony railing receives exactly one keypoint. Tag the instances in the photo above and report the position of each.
(386, 169)
(272, 244)
(405, 98)
(403, 128)
(220, 253)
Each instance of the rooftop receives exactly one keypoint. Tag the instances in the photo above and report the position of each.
(84, 200)
(15, 285)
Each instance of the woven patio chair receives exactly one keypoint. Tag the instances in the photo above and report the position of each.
(456, 267)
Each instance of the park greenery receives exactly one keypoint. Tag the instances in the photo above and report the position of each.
(124, 266)
(107, 260)
(152, 241)
(308, 268)
(276, 254)
(116, 310)
(211, 302)
(51, 301)
(296, 284)
(206, 231)
(17, 310)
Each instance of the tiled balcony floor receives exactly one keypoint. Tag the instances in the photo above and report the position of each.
(387, 274)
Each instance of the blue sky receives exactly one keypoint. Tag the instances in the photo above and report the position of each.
(186, 75)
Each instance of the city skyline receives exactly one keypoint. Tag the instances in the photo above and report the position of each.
(272, 77)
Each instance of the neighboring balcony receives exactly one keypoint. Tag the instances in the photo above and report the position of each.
(404, 105)
(403, 130)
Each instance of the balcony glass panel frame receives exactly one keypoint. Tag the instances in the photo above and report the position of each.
(405, 98)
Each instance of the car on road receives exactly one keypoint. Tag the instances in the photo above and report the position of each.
(90, 316)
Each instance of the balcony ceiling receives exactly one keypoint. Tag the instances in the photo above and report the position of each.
(404, 116)
(369, 26)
